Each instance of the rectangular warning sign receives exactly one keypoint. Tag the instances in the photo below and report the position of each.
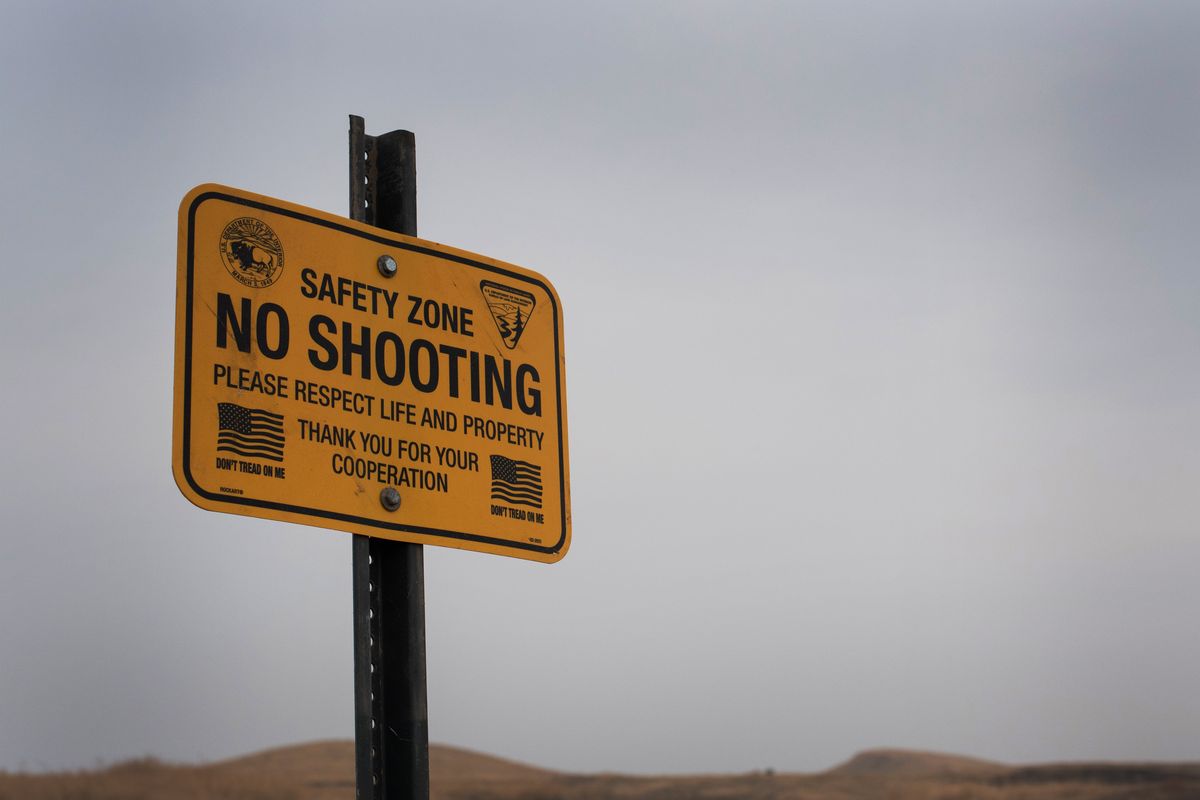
(339, 375)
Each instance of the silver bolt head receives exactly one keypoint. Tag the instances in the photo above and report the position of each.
(387, 266)
(389, 498)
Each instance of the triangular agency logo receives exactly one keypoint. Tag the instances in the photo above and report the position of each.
(511, 309)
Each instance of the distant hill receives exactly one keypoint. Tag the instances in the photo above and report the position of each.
(325, 771)
(899, 763)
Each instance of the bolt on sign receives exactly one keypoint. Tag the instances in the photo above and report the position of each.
(335, 374)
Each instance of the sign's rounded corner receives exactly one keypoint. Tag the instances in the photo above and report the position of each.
(196, 193)
(555, 299)
(188, 488)
(559, 551)
(558, 555)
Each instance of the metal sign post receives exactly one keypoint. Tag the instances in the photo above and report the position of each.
(391, 730)
(344, 374)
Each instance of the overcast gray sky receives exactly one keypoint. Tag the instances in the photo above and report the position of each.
(881, 325)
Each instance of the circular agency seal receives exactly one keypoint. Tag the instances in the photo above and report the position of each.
(252, 252)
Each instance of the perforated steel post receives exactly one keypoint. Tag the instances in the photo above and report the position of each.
(391, 711)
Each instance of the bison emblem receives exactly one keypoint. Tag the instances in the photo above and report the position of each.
(251, 258)
(252, 252)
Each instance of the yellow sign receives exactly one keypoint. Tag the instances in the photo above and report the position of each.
(339, 375)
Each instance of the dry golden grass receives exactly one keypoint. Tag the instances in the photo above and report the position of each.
(325, 771)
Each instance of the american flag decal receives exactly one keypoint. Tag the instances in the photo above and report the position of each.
(516, 482)
(250, 432)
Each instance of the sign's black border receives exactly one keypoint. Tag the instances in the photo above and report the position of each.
(322, 513)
